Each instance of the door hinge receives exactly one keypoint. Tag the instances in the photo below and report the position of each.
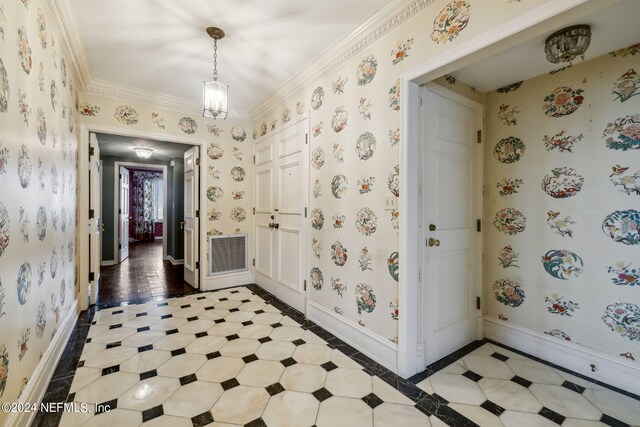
(197, 213)
(479, 225)
(198, 161)
(197, 265)
(119, 211)
(478, 303)
(91, 151)
(91, 214)
(119, 245)
(479, 136)
(305, 212)
(420, 101)
(92, 276)
(119, 176)
(254, 160)
(254, 262)
(254, 211)
(306, 138)
(305, 285)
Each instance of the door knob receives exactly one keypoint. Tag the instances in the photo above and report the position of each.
(276, 225)
(433, 242)
(182, 223)
(432, 227)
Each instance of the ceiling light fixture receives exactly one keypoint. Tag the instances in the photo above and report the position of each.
(143, 153)
(565, 45)
(215, 94)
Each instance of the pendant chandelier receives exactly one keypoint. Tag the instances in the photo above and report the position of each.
(143, 152)
(215, 94)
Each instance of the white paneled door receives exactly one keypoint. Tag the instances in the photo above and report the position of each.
(95, 217)
(451, 208)
(125, 215)
(192, 217)
(281, 200)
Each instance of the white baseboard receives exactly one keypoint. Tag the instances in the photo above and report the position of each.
(41, 376)
(175, 261)
(158, 238)
(610, 370)
(376, 347)
(213, 283)
(108, 262)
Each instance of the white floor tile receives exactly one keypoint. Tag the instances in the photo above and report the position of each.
(240, 405)
(304, 378)
(614, 404)
(344, 412)
(349, 382)
(565, 401)
(291, 409)
(193, 399)
(456, 388)
(390, 414)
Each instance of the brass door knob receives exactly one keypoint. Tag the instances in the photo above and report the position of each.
(432, 227)
(433, 242)
(276, 225)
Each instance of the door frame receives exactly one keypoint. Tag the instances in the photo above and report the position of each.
(116, 189)
(83, 194)
(524, 27)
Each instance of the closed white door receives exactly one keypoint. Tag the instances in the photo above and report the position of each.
(451, 203)
(191, 217)
(95, 220)
(124, 214)
(281, 200)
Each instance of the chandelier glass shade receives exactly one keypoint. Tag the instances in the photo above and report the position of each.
(565, 45)
(143, 153)
(215, 97)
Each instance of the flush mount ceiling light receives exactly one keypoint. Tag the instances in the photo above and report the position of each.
(565, 45)
(143, 153)
(215, 94)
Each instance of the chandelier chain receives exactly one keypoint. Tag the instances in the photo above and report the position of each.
(215, 59)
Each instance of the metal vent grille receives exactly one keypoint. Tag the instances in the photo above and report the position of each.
(227, 254)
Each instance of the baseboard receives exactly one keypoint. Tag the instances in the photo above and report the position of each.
(158, 238)
(175, 261)
(108, 263)
(214, 283)
(376, 347)
(39, 380)
(610, 370)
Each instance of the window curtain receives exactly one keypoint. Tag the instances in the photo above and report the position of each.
(143, 197)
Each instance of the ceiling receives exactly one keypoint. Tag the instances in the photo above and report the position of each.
(612, 28)
(161, 45)
(122, 146)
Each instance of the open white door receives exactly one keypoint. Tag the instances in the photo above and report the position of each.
(124, 214)
(191, 217)
(95, 220)
(450, 210)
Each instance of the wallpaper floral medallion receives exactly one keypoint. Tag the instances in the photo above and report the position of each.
(508, 292)
(24, 166)
(89, 110)
(510, 221)
(629, 182)
(559, 224)
(365, 259)
(317, 189)
(366, 70)
(41, 126)
(317, 158)
(317, 279)
(394, 96)
(364, 107)
(338, 85)
(317, 219)
(401, 51)
(365, 184)
(238, 214)
(627, 86)
(624, 275)
(623, 318)
(338, 152)
(365, 298)
(54, 95)
(562, 101)
(508, 116)
(561, 142)
(238, 133)
(623, 133)
(24, 50)
(238, 174)
(366, 221)
(339, 185)
(317, 97)
(509, 88)
(214, 151)
(393, 182)
(41, 319)
(188, 125)
(24, 282)
(317, 129)
(509, 186)
(508, 257)
(340, 119)
(4, 88)
(562, 264)
(41, 223)
(5, 229)
(623, 226)
(158, 120)
(366, 146)
(214, 129)
(557, 304)
(338, 254)
(338, 220)
(392, 264)
(337, 286)
(214, 193)
(509, 150)
(562, 183)
(451, 21)
(4, 368)
(126, 115)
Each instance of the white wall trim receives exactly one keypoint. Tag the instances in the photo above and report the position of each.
(609, 369)
(108, 262)
(174, 261)
(373, 345)
(213, 283)
(41, 376)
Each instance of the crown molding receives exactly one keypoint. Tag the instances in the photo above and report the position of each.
(391, 16)
(61, 14)
(118, 92)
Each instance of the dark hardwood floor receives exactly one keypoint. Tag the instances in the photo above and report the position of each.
(141, 277)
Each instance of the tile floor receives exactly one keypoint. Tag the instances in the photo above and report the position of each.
(241, 357)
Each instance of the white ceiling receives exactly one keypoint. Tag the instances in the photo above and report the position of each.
(161, 45)
(122, 146)
(612, 28)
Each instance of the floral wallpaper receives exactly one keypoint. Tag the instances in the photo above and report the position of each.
(562, 174)
(38, 146)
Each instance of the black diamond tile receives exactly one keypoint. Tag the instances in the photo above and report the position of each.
(203, 419)
(213, 355)
(247, 323)
(276, 325)
(232, 337)
(575, 387)
(117, 312)
(245, 300)
(274, 389)
(288, 362)
(114, 344)
(613, 422)
(201, 334)
(144, 313)
(258, 422)
(250, 358)
(171, 331)
(495, 409)
(110, 369)
(329, 366)
(71, 397)
(178, 352)
(88, 340)
(185, 306)
(81, 364)
(298, 342)
(116, 326)
(234, 292)
(223, 299)
(94, 322)
(472, 376)
(322, 394)
(192, 319)
(209, 308)
(166, 316)
(106, 406)
(217, 321)
(521, 381)
(500, 356)
(372, 400)
(264, 340)
(229, 384)
(145, 348)
(162, 304)
(201, 298)
(144, 328)
(187, 379)
(552, 415)
(152, 413)
(259, 311)
(232, 310)
(149, 374)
